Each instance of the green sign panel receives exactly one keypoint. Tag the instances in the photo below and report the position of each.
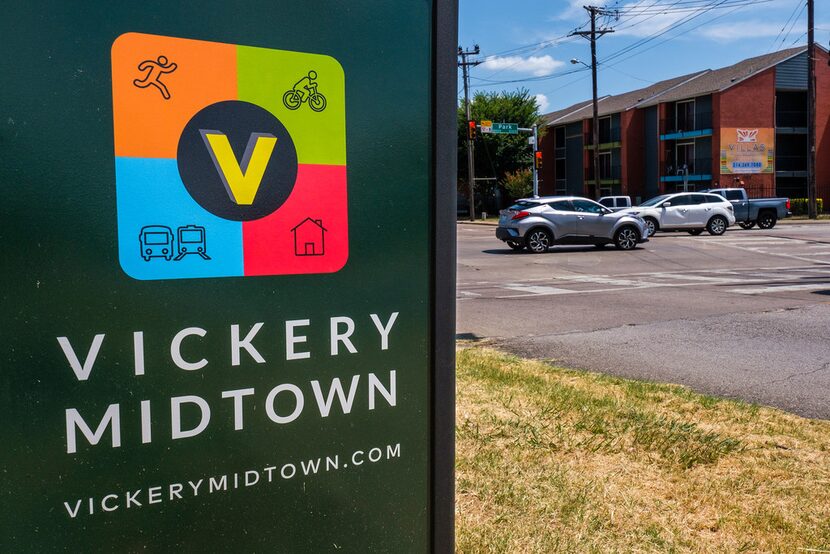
(217, 337)
(505, 128)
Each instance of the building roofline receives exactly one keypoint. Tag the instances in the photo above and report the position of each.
(649, 101)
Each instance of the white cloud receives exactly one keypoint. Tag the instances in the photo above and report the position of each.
(538, 66)
(543, 103)
(747, 29)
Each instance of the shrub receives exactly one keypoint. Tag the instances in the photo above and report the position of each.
(799, 206)
(519, 184)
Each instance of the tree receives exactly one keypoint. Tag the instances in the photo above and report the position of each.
(497, 155)
(519, 184)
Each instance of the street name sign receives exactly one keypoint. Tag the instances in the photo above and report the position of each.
(505, 128)
(210, 343)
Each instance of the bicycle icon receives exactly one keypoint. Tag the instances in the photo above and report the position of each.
(305, 91)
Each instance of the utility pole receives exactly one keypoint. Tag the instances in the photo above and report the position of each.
(812, 208)
(592, 35)
(470, 155)
(535, 161)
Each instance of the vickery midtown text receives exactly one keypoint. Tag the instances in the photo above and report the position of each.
(283, 403)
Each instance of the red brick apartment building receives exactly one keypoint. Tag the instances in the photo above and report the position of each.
(746, 122)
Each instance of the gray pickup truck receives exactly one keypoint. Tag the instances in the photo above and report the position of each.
(764, 211)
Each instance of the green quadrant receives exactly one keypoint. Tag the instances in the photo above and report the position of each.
(264, 75)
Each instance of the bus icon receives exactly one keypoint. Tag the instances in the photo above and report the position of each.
(156, 241)
(191, 240)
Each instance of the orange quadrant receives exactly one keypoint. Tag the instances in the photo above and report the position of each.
(159, 83)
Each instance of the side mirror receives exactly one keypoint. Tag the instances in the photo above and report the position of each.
(666, 205)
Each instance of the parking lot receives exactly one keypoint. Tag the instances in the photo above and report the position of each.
(744, 315)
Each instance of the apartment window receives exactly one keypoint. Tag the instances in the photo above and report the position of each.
(605, 130)
(684, 115)
(605, 165)
(685, 156)
(559, 137)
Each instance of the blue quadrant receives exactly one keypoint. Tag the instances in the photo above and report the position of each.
(150, 197)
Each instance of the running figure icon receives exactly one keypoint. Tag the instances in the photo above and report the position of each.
(305, 90)
(155, 69)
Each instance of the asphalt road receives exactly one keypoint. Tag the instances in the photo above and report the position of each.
(745, 315)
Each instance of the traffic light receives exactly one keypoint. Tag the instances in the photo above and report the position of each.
(471, 131)
(538, 159)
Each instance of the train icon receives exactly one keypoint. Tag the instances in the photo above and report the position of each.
(158, 241)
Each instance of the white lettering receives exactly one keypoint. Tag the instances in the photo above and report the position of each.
(238, 345)
(154, 495)
(73, 513)
(248, 482)
(220, 485)
(384, 330)
(176, 349)
(337, 337)
(131, 499)
(388, 394)
(272, 396)
(237, 405)
(176, 491)
(291, 339)
(176, 416)
(146, 429)
(336, 388)
(105, 506)
(112, 417)
(138, 352)
(82, 371)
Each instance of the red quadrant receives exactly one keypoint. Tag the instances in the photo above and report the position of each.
(307, 234)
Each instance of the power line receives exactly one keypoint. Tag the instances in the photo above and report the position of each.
(792, 14)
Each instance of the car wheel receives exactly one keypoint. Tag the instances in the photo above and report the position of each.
(767, 220)
(695, 232)
(516, 245)
(717, 225)
(626, 238)
(746, 224)
(651, 225)
(538, 241)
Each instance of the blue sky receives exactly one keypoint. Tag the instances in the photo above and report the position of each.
(713, 39)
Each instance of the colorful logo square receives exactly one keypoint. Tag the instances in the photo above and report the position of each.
(230, 161)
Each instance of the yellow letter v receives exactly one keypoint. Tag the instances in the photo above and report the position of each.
(241, 180)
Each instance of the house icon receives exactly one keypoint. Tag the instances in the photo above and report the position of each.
(309, 238)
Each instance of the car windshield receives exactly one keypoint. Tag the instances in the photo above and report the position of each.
(523, 204)
(656, 200)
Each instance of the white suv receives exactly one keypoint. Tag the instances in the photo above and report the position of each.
(693, 212)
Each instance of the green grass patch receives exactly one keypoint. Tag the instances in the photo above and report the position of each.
(554, 460)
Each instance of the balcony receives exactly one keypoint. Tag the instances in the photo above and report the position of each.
(699, 170)
(674, 128)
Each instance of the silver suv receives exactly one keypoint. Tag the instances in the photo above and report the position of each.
(539, 223)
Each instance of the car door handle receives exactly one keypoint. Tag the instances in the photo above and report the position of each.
(708, 209)
(580, 217)
(683, 211)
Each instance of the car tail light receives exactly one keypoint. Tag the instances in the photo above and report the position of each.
(520, 215)
(788, 203)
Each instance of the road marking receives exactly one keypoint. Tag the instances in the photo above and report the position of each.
(535, 290)
(782, 288)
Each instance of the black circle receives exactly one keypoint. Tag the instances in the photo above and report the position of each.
(239, 121)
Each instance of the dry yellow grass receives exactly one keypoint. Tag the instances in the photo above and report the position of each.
(552, 460)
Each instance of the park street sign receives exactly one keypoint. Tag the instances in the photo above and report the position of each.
(505, 129)
(204, 352)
